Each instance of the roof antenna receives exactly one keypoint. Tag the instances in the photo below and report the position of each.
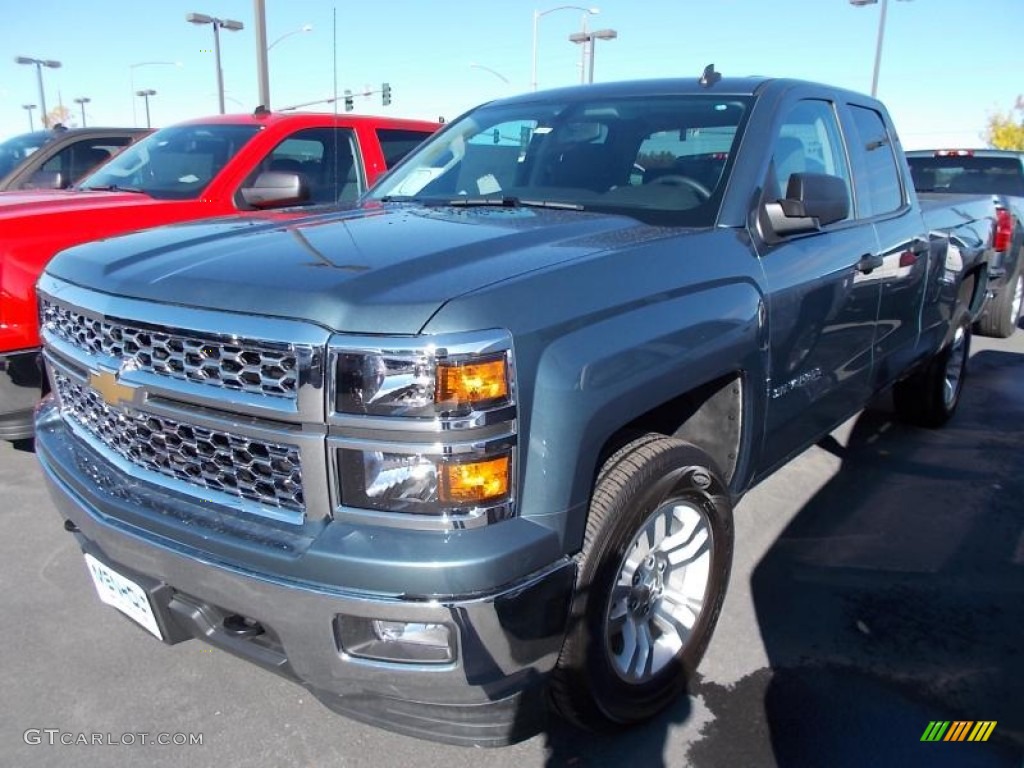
(710, 77)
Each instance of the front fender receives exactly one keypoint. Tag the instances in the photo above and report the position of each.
(594, 381)
(606, 338)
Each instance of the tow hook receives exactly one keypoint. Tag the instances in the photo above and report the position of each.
(239, 626)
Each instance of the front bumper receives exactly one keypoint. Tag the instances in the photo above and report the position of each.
(505, 640)
(20, 387)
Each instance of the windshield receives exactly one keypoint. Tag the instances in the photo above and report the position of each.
(663, 159)
(175, 163)
(16, 149)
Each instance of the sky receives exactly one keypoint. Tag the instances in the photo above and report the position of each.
(945, 66)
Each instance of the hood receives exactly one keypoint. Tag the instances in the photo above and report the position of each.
(371, 270)
(43, 201)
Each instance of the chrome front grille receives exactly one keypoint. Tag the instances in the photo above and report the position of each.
(236, 364)
(260, 471)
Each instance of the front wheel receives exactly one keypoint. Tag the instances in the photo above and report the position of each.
(652, 576)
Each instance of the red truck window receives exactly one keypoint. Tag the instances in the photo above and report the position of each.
(326, 160)
(397, 143)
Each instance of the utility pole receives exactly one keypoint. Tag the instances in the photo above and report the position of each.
(262, 67)
(82, 102)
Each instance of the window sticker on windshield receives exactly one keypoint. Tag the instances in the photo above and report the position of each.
(487, 185)
(190, 178)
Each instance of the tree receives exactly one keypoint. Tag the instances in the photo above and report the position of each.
(60, 115)
(1005, 130)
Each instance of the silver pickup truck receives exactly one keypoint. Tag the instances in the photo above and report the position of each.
(474, 444)
(999, 174)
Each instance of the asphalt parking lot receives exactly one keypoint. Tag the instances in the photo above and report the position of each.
(878, 585)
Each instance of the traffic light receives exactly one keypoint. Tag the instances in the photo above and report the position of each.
(349, 101)
(385, 93)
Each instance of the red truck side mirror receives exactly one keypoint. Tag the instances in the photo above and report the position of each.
(273, 189)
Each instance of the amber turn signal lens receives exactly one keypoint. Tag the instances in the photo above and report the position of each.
(475, 482)
(472, 382)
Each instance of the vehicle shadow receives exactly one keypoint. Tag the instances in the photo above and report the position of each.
(896, 596)
(565, 744)
(643, 746)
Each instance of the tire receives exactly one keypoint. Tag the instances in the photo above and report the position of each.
(1002, 316)
(661, 491)
(929, 397)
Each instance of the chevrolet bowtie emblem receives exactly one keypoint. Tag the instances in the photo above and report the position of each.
(110, 389)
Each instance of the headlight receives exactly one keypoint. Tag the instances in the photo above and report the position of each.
(447, 377)
(426, 484)
(425, 428)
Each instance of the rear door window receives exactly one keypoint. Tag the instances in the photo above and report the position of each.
(879, 190)
(396, 143)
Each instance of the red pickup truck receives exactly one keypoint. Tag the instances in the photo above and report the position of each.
(229, 164)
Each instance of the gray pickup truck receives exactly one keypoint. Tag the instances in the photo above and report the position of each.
(474, 444)
(999, 174)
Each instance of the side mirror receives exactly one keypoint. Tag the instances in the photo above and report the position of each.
(46, 180)
(813, 200)
(273, 189)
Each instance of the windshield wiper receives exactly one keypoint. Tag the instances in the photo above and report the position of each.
(113, 188)
(509, 201)
(398, 199)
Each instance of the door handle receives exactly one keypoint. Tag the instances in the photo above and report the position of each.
(869, 262)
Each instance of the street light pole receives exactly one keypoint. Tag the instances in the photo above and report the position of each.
(145, 94)
(131, 80)
(590, 39)
(878, 48)
(494, 72)
(881, 38)
(299, 31)
(28, 108)
(39, 64)
(220, 71)
(536, 22)
(584, 49)
(229, 24)
(263, 61)
(82, 102)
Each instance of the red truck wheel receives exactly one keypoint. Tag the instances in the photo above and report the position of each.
(653, 573)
